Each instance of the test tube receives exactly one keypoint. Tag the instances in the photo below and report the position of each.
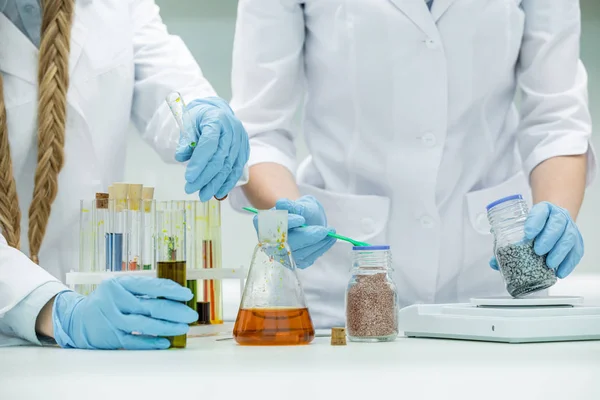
(171, 250)
(211, 248)
(135, 234)
(179, 111)
(86, 241)
(101, 225)
(116, 246)
(193, 253)
(109, 235)
(148, 257)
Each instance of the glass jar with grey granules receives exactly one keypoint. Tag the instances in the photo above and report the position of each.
(371, 296)
(524, 271)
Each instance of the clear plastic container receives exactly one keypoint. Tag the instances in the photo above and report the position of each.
(372, 296)
(524, 271)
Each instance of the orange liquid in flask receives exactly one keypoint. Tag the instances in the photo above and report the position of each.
(273, 326)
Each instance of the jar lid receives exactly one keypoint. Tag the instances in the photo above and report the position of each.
(360, 248)
(502, 200)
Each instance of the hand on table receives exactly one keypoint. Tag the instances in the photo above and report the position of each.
(107, 318)
(310, 242)
(556, 235)
(222, 148)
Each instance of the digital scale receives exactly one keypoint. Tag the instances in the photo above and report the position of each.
(504, 319)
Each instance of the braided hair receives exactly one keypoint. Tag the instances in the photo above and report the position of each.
(53, 83)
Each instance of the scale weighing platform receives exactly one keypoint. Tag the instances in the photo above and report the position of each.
(504, 319)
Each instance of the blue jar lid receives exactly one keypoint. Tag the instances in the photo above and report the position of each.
(371, 248)
(502, 200)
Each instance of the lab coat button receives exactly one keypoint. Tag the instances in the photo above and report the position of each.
(28, 8)
(427, 221)
(430, 43)
(368, 225)
(429, 139)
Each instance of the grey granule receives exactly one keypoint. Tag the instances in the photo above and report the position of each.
(371, 307)
(524, 271)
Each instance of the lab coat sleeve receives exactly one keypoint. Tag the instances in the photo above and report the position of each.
(552, 80)
(24, 289)
(163, 64)
(268, 80)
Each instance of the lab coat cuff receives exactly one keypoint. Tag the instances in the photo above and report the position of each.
(564, 147)
(265, 153)
(23, 316)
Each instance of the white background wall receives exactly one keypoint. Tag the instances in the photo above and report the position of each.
(197, 20)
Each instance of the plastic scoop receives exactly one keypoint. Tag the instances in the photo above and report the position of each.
(335, 235)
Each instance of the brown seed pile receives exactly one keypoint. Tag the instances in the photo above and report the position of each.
(371, 307)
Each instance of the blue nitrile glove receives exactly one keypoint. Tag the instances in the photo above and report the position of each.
(120, 306)
(310, 242)
(222, 148)
(556, 235)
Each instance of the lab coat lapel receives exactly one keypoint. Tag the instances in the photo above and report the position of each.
(439, 7)
(18, 56)
(419, 14)
(78, 37)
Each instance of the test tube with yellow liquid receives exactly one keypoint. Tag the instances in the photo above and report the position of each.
(86, 241)
(171, 249)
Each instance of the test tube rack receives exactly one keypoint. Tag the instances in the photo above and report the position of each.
(127, 232)
(95, 278)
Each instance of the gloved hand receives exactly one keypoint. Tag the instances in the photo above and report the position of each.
(310, 242)
(222, 148)
(554, 234)
(107, 318)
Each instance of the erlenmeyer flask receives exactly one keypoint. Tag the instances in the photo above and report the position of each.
(273, 310)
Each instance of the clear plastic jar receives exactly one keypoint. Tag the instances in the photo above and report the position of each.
(524, 271)
(372, 297)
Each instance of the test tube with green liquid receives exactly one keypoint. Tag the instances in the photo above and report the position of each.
(171, 246)
(149, 224)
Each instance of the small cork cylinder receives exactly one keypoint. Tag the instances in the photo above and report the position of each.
(111, 198)
(102, 200)
(120, 190)
(338, 336)
(147, 196)
(134, 196)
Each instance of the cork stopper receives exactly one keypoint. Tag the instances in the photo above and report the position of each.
(338, 336)
(111, 198)
(121, 190)
(147, 193)
(135, 195)
(147, 196)
(101, 200)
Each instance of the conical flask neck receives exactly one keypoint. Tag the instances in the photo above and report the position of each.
(272, 226)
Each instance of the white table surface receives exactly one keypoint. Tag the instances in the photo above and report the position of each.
(404, 369)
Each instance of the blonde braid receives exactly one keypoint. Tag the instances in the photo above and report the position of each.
(53, 81)
(10, 213)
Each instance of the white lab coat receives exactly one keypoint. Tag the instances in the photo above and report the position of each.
(122, 63)
(410, 123)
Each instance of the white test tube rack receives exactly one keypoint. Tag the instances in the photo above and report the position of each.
(74, 278)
